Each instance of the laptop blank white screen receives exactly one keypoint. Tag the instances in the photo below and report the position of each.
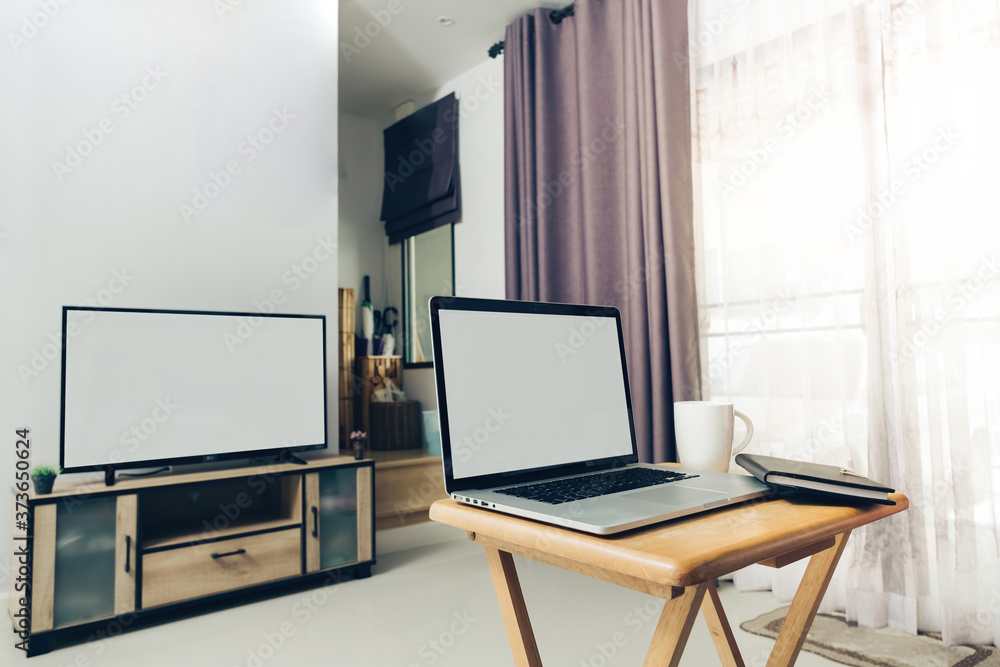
(527, 390)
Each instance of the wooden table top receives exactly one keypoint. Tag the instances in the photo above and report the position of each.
(684, 551)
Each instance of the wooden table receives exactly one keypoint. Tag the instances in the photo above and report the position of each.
(677, 561)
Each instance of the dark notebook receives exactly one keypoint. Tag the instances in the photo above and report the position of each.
(814, 478)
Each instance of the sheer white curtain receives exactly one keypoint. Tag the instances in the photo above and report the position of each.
(847, 206)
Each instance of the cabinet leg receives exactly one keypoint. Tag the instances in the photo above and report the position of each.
(37, 646)
(363, 571)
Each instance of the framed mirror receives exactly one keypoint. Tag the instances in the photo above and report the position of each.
(428, 270)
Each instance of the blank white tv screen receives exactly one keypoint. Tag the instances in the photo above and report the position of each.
(144, 387)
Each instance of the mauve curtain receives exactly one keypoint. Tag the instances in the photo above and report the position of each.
(598, 187)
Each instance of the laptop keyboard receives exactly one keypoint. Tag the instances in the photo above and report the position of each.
(591, 486)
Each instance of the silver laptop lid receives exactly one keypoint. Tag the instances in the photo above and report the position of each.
(529, 390)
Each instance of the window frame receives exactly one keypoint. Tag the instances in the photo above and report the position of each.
(405, 329)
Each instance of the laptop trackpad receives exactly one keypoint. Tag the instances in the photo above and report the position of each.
(677, 495)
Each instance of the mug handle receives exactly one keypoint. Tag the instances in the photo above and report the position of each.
(746, 440)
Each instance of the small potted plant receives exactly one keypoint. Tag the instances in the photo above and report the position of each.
(358, 443)
(43, 476)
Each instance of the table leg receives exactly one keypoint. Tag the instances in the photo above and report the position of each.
(805, 603)
(718, 627)
(674, 627)
(512, 608)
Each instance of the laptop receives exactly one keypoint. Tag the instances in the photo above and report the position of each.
(536, 420)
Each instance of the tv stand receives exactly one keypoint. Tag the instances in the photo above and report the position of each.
(280, 458)
(147, 473)
(152, 546)
(110, 471)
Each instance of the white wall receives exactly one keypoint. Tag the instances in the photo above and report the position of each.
(479, 237)
(109, 228)
(363, 246)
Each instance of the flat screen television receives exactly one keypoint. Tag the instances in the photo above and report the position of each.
(144, 388)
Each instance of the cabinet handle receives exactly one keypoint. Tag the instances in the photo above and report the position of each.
(128, 552)
(230, 553)
(315, 522)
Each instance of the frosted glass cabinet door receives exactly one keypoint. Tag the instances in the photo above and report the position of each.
(84, 562)
(335, 500)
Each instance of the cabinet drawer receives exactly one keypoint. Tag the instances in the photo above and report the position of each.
(190, 572)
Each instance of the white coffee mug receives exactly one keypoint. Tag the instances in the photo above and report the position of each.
(704, 431)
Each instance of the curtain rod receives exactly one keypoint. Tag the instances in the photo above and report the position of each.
(556, 17)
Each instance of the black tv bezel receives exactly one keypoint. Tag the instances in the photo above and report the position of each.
(108, 468)
(453, 484)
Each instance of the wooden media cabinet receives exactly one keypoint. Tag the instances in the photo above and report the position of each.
(101, 555)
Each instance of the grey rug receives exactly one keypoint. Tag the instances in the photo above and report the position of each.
(833, 638)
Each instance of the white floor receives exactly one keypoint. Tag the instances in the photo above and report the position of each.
(429, 602)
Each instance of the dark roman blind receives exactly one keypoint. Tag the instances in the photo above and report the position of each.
(421, 171)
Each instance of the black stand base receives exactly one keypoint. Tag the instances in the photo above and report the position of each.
(109, 476)
(283, 456)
